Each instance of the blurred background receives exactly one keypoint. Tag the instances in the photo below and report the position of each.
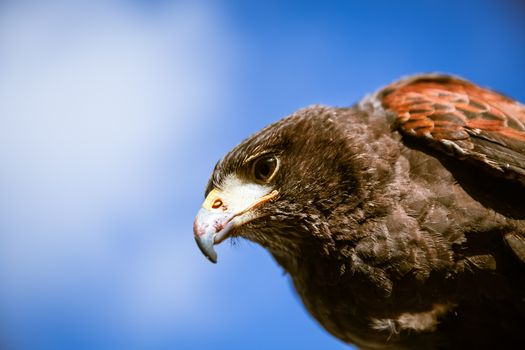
(112, 116)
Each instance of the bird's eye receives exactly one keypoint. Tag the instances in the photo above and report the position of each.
(264, 168)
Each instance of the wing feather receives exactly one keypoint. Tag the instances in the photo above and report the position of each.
(461, 119)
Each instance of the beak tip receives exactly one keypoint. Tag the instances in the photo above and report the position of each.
(206, 247)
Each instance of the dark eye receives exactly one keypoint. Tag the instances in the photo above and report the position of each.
(264, 167)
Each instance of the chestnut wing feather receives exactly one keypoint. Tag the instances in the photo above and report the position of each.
(463, 120)
(479, 129)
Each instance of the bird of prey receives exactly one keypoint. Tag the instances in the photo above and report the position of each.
(400, 220)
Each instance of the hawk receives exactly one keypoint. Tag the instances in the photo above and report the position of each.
(400, 220)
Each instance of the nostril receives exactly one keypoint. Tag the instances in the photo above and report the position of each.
(217, 204)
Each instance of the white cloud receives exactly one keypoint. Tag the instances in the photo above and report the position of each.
(97, 104)
(88, 108)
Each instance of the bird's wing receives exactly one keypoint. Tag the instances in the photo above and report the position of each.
(461, 119)
(478, 129)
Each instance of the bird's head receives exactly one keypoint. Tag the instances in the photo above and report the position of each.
(278, 186)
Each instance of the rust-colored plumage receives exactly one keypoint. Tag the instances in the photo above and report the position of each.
(400, 220)
(459, 117)
(475, 125)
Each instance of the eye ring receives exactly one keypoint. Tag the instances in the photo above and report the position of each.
(264, 168)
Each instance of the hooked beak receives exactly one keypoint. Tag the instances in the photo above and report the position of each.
(222, 211)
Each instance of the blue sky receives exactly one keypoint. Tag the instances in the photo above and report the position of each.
(112, 116)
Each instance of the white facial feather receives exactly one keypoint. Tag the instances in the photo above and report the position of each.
(239, 195)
